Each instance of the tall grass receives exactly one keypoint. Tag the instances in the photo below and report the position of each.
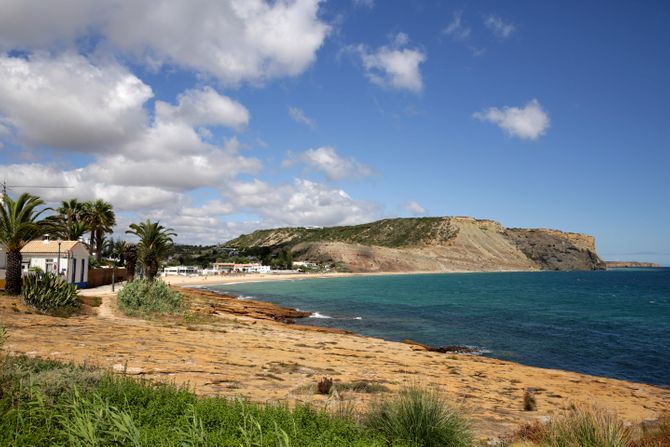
(51, 403)
(420, 417)
(588, 427)
(580, 427)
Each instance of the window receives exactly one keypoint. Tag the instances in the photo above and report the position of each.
(83, 261)
(49, 266)
(74, 270)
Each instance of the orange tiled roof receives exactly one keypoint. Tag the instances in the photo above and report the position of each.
(49, 246)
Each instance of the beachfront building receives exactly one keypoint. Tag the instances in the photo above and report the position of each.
(182, 270)
(69, 259)
(231, 267)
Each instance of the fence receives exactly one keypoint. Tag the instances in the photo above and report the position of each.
(101, 277)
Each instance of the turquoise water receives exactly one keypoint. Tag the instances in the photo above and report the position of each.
(614, 323)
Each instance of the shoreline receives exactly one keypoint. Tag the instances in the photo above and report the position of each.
(238, 353)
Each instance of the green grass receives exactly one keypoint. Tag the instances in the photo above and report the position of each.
(50, 403)
(420, 417)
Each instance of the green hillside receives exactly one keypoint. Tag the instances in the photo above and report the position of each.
(400, 232)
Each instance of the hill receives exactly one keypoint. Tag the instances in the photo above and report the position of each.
(430, 244)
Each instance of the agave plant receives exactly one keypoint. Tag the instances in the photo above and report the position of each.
(49, 293)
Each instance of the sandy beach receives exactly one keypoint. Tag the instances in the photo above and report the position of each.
(229, 347)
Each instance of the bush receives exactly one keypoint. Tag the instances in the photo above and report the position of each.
(49, 293)
(144, 296)
(421, 418)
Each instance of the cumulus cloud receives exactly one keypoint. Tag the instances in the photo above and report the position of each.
(456, 27)
(394, 65)
(499, 27)
(204, 107)
(414, 208)
(69, 102)
(233, 40)
(327, 160)
(299, 116)
(302, 203)
(529, 122)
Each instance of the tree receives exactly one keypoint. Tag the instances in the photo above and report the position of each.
(19, 224)
(155, 242)
(130, 257)
(100, 219)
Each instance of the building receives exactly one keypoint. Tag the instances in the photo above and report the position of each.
(231, 267)
(67, 258)
(181, 270)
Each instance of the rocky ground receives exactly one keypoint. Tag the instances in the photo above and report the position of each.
(223, 346)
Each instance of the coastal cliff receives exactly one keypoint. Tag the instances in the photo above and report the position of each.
(431, 244)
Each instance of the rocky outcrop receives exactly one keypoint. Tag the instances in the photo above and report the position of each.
(433, 244)
(557, 250)
(631, 264)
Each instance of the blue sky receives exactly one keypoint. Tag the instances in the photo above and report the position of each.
(239, 115)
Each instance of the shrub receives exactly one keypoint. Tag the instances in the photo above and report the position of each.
(420, 417)
(143, 296)
(49, 293)
(587, 428)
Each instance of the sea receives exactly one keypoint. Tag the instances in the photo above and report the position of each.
(613, 323)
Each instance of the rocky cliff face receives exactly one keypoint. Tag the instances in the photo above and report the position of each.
(556, 250)
(431, 245)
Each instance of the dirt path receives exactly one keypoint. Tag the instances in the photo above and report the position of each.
(220, 353)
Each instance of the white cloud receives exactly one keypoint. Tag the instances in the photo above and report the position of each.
(304, 203)
(204, 107)
(529, 122)
(499, 27)
(414, 208)
(69, 102)
(456, 28)
(327, 160)
(298, 115)
(394, 66)
(233, 40)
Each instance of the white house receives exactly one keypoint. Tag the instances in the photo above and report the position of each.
(181, 270)
(231, 267)
(67, 258)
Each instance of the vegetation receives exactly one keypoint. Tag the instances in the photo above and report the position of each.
(591, 427)
(385, 233)
(51, 403)
(19, 224)
(155, 242)
(422, 418)
(130, 260)
(49, 293)
(100, 219)
(144, 296)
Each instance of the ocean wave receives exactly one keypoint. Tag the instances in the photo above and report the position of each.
(358, 318)
(318, 315)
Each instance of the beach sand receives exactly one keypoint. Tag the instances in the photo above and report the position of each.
(220, 350)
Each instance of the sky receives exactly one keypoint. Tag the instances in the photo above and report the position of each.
(219, 117)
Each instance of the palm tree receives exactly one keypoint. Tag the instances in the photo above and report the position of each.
(130, 258)
(19, 225)
(155, 242)
(71, 220)
(100, 219)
